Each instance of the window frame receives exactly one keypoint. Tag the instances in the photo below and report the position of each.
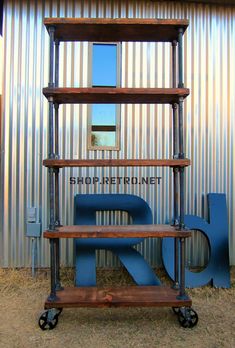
(118, 106)
(117, 131)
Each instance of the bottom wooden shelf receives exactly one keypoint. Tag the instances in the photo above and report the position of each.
(138, 296)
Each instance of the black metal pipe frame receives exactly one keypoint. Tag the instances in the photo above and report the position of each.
(51, 31)
(57, 45)
(56, 106)
(57, 241)
(175, 170)
(51, 129)
(174, 46)
(175, 135)
(181, 155)
(51, 171)
(56, 171)
(182, 294)
(58, 286)
(51, 199)
(181, 127)
(51, 84)
(182, 271)
(52, 296)
(180, 57)
(181, 222)
(57, 212)
(176, 223)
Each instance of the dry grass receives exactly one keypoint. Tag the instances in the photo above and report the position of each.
(22, 300)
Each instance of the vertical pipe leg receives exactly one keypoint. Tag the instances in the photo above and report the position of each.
(182, 267)
(57, 266)
(51, 199)
(51, 129)
(181, 155)
(175, 170)
(57, 219)
(182, 208)
(57, 212)
(57, 223)
(176, 223)
(181, 129)
(176, 264)
(180, 58)
(182, 294)
(52, 296)
(56, 171)
(57, 43)
(176, 196)
(51, 65)
(56, 107)
(174, 45)
(52, 241)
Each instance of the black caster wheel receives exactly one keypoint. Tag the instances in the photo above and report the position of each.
(48, 320)
(187, 317)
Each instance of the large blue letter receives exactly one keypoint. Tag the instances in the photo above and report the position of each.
(86, 207)
(216, 232)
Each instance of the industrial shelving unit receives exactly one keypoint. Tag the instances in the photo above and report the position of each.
(117, 30)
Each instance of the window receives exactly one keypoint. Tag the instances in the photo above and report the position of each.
(104, 65)
(104, 119)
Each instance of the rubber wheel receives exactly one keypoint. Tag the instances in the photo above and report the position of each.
(47, 324)
(188, 318)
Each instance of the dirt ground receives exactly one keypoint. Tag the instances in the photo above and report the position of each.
(22, 300)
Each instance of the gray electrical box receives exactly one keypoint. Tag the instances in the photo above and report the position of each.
(33, 226)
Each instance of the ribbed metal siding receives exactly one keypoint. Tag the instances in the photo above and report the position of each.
(209, 51)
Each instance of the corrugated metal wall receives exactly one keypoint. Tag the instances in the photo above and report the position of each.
(146, 130)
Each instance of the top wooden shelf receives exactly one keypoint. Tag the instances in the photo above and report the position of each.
(115, 30)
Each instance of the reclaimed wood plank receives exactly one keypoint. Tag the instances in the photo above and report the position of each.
(110, 95)
(139, 296)
(116, 29)
(116, 231)
(61, 163)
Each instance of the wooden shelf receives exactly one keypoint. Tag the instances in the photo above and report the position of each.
(112, 95)
(139, 296)
(115, 30)
(61, 163)
(116, 231)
